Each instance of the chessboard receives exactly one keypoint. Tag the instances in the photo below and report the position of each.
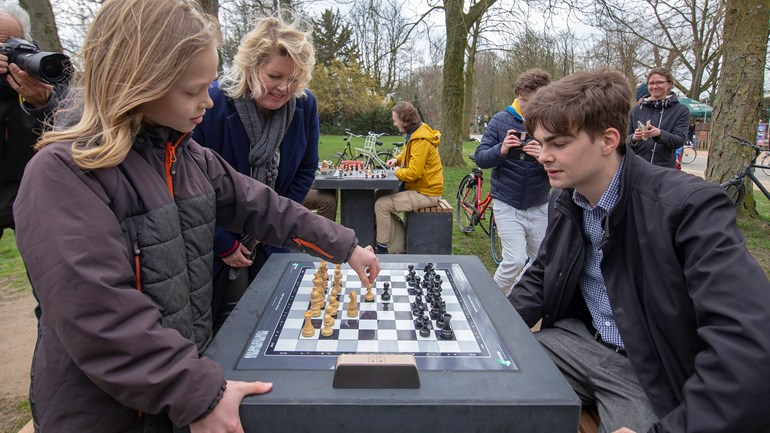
(488, 374)
(425, 309)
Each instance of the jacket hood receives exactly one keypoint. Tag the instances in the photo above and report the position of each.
(427, 133)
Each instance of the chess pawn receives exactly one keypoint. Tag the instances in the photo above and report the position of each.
(334, 303)
(308, 330)
(353, 304)
(369, 297)
(327, 330)
(330, 310)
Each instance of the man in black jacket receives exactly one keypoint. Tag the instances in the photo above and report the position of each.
(651, 305)
(24, 104)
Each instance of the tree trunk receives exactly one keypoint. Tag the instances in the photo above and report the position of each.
(737, 105)
(469, 79)
(458, 24)
(43, 24)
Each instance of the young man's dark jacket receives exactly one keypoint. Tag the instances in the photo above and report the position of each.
(692, 305)
(121, 265)
(521, 184)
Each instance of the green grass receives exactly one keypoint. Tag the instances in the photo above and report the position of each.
(13, 276)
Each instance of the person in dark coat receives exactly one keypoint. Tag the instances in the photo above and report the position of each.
(265, 124)
(651, 305)
(519, 186)
(659, 124)
(25, 103)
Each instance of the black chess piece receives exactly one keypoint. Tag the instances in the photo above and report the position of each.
(440, 321)
(385, 292)
(435, 311)
(424, 331)
(446, 329)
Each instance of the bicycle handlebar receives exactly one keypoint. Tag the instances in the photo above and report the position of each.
(743, 142)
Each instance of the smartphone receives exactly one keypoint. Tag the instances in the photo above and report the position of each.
(518, 154)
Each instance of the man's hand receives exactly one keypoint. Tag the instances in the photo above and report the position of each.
(511, 140)
(239, 258)
(35, 92)
(533, 148)
(225, 417)
(365, 263)
(391, 162)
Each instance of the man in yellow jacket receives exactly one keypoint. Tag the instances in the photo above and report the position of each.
(418, 166)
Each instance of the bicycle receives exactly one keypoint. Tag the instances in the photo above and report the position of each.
(689, 153)
(358, 154)
(471, 208)
(736, 187)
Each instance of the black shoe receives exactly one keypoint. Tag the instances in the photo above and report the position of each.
(380, 248)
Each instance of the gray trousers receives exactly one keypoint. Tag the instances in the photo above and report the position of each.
(599, 376)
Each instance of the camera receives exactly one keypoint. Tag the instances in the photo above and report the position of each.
(53, 68)
(517, 153)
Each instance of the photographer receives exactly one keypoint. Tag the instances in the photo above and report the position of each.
(25, 102)
(519, 183)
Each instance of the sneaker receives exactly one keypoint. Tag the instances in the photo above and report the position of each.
(380, 248)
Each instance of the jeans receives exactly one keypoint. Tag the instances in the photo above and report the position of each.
(521, 232)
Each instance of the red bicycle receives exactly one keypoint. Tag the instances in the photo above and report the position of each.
(471, 209)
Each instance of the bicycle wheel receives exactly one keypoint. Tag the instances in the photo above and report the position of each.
(335, 158)
(689, 154)
(735, 189)
(494, 239)
(764, 161)
(465, 211)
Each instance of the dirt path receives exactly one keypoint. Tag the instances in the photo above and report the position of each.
(18, 330)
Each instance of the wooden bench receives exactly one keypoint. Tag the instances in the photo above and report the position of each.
(429, 229)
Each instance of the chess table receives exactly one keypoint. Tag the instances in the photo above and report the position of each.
(491, 375)
(357, 199)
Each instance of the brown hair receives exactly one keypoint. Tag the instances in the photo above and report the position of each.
(661, 71)
(408, 114)
(531, 80)
(584, 101)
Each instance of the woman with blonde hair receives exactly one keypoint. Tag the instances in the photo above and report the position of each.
(116, 220)
(265, 124)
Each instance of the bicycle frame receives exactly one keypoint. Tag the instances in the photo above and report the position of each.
(481, 205)
(735, 187)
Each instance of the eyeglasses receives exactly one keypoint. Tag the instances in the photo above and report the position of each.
(657, 83)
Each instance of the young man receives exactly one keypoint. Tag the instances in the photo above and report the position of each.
(519, 184)
(651, 305)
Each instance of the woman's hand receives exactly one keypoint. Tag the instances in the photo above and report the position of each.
(391, 162)
(239, 258)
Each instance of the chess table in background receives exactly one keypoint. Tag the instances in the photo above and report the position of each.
(491, 375)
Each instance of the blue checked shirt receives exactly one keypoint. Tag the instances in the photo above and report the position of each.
(591, 279)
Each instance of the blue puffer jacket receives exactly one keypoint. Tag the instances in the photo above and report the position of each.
(521, 184)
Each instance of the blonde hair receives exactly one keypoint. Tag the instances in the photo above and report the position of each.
(270, 35)
(134, 52)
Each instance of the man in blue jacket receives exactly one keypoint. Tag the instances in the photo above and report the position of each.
(651, 305)
(519, 183)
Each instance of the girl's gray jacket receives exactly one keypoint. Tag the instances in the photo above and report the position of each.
(120, 260)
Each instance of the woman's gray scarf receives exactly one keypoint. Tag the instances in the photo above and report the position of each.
(265, 136)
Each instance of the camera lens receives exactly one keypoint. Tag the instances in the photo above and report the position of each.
(51, 67)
